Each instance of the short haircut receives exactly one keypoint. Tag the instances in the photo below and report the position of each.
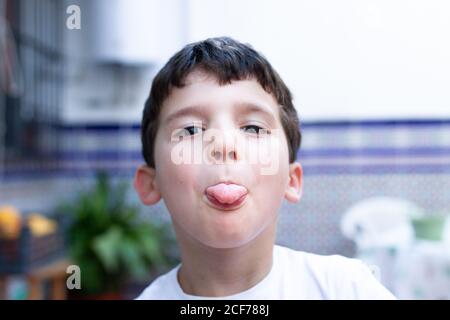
(226, 60)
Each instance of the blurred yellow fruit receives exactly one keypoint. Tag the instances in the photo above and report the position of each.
(40, 225)
(10, 222)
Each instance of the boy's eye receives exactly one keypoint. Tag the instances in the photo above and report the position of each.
(190, 131)
(254, 129)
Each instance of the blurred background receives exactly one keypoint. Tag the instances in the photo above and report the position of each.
(371, 84)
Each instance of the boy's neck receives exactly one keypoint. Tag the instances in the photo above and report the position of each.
(211, 272)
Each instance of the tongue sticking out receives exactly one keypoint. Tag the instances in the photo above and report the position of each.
(226, 193)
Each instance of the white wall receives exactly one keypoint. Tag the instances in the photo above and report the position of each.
(347, 59)
(113, 57)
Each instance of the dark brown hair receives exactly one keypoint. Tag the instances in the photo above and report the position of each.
(227, 60)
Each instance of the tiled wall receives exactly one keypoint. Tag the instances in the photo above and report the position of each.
(343, 163)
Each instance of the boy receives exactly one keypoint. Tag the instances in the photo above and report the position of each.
(217, 116)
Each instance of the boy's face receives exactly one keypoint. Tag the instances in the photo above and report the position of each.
(217, 192)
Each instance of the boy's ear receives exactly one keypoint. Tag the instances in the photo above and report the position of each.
(295, 185)
(145, 185)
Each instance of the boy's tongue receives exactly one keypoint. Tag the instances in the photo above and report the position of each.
(226, 193)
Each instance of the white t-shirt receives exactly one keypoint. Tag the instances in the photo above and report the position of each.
(294, 275)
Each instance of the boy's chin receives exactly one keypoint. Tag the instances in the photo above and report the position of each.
(228, 241)
(226, 246)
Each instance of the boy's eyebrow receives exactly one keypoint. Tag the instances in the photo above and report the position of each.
(187, 111)
(247, 107)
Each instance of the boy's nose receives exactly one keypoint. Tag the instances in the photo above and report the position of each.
(225, 149)
(224, 156)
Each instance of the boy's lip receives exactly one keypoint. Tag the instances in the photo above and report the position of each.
(225, 206)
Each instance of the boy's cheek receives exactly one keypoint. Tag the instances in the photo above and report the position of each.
(266, 154)
(263, 161)
(272, 172)
(273, 158)
(178, 175)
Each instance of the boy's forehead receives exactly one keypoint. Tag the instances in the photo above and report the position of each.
(199, 76)
(202, 90)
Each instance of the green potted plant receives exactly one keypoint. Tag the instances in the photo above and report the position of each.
(429, 227)
(110, 243)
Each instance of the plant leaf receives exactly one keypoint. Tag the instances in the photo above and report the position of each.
(132, 259)
(106, 246)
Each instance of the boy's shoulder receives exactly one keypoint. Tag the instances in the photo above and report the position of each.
(298, 275)
(330, 276)
(163, 287)
(317, 263)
